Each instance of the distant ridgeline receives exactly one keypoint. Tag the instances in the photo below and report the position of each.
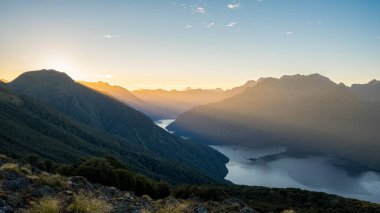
(46, 113)
(310, 113)
(163, 104)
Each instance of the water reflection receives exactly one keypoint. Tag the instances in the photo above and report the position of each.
(316, 173)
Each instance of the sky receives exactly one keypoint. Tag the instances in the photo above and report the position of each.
(198, 43)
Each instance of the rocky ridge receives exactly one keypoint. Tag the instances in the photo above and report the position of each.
(27, 189)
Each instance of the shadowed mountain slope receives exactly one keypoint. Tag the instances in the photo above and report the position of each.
(305, 112)
(120, 93)
(367, 92)
(163, 104)
(107, 115)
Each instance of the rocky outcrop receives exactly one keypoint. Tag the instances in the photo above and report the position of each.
(22, 188)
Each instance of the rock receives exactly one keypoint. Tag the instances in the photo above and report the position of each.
(110, 191)
(171, 202)
(5, 207)
(15, 199)
(80, 183)
(247, 210)
(42, 191)
(200, 209)
(234, 202)
(146, 198)
(17, 184)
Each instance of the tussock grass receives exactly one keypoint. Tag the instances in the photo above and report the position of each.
(88, 203)
(13, 167)
(177, 208)
(46, 205)
(52, 180)
(288, 211)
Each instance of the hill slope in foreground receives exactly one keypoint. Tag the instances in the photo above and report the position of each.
(25, 188)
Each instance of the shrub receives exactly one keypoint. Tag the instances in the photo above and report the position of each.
(46, 205)
(88, 203)
(108, 171)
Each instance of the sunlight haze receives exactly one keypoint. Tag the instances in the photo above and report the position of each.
(175, 44)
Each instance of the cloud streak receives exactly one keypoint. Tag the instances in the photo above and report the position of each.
(231, 24)
(210, 25)
(111, 36)
(233, 6)
(200, 10)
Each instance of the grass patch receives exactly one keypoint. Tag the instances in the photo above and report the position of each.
(177, 208)
(52, 180)
(13, 167)
(88, 203)
(46, 205)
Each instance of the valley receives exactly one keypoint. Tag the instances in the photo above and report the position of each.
(280, 167)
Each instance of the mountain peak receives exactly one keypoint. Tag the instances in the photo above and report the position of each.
(314, 77)
(44, 76)
(374, 82)
(250, 83)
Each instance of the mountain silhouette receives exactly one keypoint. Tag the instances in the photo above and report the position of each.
(108, 115)
(310, 113)
(367, 92)
(155, 112)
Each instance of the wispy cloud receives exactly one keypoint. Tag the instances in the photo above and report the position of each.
(289, 33)
(111, 36)
(200, 10)
(109, 76)
(188, 26)
(210, 25)
(233, 6)
(231, 24)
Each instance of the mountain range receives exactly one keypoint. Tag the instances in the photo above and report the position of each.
(309, 113)
(46, 113)
(166, 104)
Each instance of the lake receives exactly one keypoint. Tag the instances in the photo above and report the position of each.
(274, 167)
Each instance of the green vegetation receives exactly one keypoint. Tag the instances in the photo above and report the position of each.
(106, 171)
(75, 121)
(109, 171)
(266, 199)
(33, 128)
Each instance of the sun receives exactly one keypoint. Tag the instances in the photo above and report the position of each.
(64, 65)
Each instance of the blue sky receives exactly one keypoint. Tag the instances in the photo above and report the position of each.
(180, 43)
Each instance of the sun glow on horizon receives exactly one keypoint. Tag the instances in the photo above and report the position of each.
(64, 65)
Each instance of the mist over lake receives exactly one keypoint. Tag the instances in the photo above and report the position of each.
(273, 167)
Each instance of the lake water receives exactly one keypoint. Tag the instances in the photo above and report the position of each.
(164, 123)
(272, 167)
(316, 173)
